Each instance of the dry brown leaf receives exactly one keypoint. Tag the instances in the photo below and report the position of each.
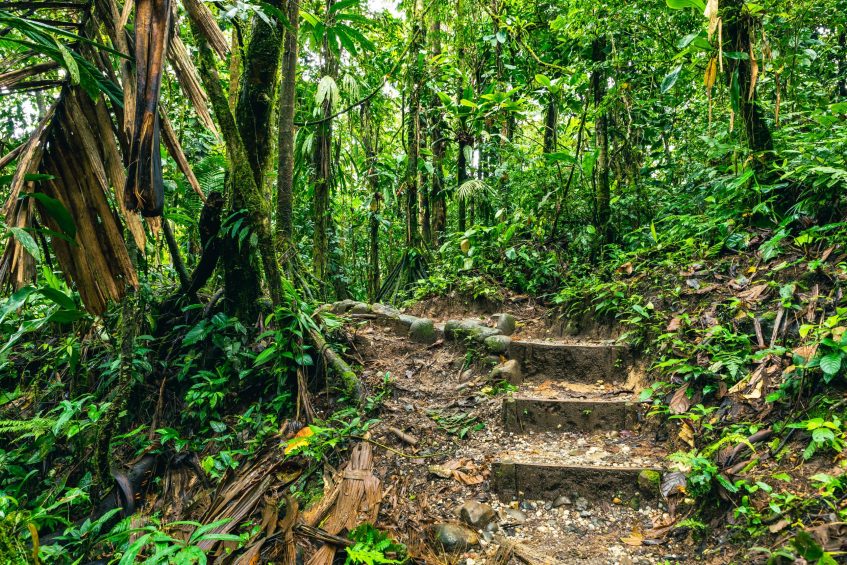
(686, 434)
(635, 538)
(626, 268)
(711, 74)
(467, 478)
(680, 403)
(674, 324)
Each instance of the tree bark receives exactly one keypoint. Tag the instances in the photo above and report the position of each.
(738, 28)
(413, 133)
(243, 300)
(602, 198)
(321, 161)
(288, 97)
(439, 200)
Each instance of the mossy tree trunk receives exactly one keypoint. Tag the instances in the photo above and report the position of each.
(288, 97)
(602, 199)
(245, 194)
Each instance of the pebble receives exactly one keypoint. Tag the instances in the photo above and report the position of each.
(561, 500)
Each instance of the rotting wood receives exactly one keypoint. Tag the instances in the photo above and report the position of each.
(407, 438)
(359, 495)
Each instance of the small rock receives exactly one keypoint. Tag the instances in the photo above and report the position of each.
(548, 505)
(527, 506)
(505, 323)
(487, 536)
(498, 343)
(562, 500)
(585, 514)
(514, 515)
(492, 527)
(422, 330)
(454, 538)
(649, 480)
(476, 514)
(581, 504)
(510, 371)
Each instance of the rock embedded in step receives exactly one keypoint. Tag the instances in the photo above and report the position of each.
(422, 330)
(510, 371)
(385, 311)
(468, 329)
(505, 323)
(360, 308)
(342, 306)
(476, 514)
(453, 538)
(498, 344)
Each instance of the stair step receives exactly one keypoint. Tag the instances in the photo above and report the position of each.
(514, 479)
(534, 414)
(575, 362)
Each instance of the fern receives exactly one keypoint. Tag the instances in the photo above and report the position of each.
(27, 428)
(374, 547)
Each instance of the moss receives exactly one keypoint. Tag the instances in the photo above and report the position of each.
(649, 480)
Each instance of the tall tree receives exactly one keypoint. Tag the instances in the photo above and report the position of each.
(288, 98)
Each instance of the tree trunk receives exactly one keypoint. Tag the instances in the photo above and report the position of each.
(550, 118)
(413, 134)
(439, 200)
(242, 295)
(462, 178)
(321, 161)
(257, 92)
(288, 97)
(601, 136)
(738, 29)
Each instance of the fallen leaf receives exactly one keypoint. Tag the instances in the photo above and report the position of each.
(440, 471)
(686, 434)
(778, 526)
(626, 268)
(674, 324)
(299, 440)
(680, 403)
(673, 483)
(467, 478)
(635, 538)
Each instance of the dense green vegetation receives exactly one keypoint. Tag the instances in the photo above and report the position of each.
(674, 169)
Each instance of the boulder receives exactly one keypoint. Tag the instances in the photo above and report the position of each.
(422, 330)
(360, 308)
(510, 371)
(468, 329)
(453, 538)
(498, 344)
(476, 514)
(506, 323)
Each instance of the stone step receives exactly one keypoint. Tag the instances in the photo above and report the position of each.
(574, 362)
(522, 414)
(513, 479)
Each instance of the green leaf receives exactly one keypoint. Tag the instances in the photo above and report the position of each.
(670, 79)
(682, 4)
(57, 211)
(543, 80)
(28, 242)
(831, 364)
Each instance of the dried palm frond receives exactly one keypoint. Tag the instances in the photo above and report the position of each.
(144, 189)
(189, 81)
(202, 16)
(76, 168)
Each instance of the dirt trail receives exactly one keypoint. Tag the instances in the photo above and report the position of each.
(561, 456)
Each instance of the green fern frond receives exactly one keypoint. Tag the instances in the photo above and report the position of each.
(25, 428)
